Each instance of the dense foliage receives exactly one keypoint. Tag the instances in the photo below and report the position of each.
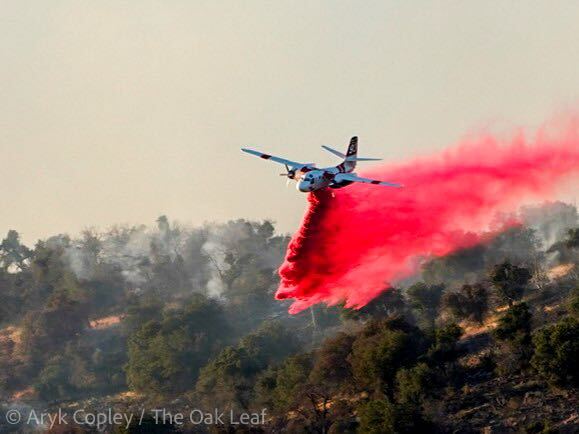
(180, 315)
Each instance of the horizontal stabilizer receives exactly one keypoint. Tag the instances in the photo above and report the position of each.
(333, 151)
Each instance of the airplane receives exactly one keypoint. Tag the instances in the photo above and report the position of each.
(309, 178)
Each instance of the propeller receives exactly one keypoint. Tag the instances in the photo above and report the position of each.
(290, 173)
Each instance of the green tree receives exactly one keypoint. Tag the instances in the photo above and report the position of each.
(444, 350)
(165, 356)
(425, 301)
(141, 311)
(377, 417)
(295, 392)
(414, 384)
(470, 302)
(269, 344)
(510, 281)
(573, 303)
(385, 417)
(52, 382)
(380, 350)
(331, 362)
(515, 324)
(13, 253)
(514, 333)
(557, 352)
(228, 380)
(291, 378)
(48, 265)
(46, 331)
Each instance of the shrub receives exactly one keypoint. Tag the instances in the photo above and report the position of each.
(380, 350)
(165, 356)
(331, 366)
(445, 349)
(414, 384)
(510, 281)
(573, 303)
(557, 352)
(425, 300)
(228, 379)
(384, 417)
(515, 325)
(470, 302)
(514, 333)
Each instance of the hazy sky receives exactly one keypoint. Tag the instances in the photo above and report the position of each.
(119, 111)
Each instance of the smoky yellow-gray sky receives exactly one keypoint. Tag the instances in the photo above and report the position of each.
(119, 111)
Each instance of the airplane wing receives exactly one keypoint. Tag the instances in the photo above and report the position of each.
(293, 164)
(340, 177)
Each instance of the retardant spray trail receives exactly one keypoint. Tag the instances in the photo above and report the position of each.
(355, 242)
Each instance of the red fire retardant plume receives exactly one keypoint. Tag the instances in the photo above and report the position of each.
(355, 242)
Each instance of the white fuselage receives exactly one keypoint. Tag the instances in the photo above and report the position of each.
(313, 180)
(317, 179)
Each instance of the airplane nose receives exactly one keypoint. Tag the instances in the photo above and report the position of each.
(302, 187)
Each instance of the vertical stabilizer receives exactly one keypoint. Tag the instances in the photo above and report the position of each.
(351, 154)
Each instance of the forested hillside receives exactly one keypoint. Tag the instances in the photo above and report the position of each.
(483, 340)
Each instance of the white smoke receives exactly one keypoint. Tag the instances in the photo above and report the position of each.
(130, 253)
(551, 220)
(205, 254)
(81, 262)
(219, 240)
(78, 260)
(236, 238)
